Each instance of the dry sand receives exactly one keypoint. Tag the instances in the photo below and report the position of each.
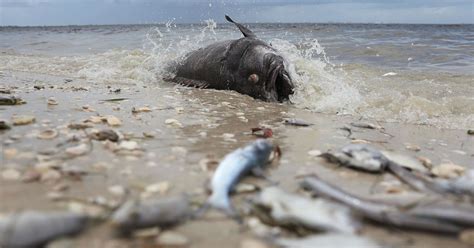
(213, 124)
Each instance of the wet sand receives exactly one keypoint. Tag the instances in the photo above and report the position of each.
(213, 124)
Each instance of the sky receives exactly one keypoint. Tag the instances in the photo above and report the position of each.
(84, 12)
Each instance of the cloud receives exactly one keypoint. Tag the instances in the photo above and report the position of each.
(68, 12)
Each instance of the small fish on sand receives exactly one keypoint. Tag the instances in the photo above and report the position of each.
(237, 164)
(316, 214)
(35, 229)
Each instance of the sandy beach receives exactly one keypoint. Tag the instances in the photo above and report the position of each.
(175, 130)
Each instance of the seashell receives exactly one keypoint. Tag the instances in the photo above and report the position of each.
(48, 134)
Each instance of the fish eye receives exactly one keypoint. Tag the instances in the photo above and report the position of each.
(253, 78)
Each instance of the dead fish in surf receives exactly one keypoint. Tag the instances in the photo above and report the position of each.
(35, 229)
(235, 165)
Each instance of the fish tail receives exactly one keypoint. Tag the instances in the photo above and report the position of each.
(220, 203)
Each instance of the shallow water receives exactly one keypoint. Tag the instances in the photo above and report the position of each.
(340, 67)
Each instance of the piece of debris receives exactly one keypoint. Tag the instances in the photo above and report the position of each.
(140, 110)
(12, 100)
(262, 132)
(316, 214)
(426, 162)
(171, 239)
(470, 131)
(412, 147)
(467, 237)
(134, 215)
(149, 135)
(106, 134)
(389, 74)
(242, 188)
(328, 240)
(448, 170)
(296, 122)
(160, 188)
(48, 134)
(208, 164)
(314, 153)
(173, 122)
(19, 120)
(113, 121)
(52, 101)
(366, 125)
(4, 125)
(11, 174)
(36, 229)
(80, 126)
(78, 150)
(128, 145)
(117, 190)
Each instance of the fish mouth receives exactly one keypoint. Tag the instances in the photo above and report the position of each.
(279, 87)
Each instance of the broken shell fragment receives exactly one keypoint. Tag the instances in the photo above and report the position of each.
(140, 110)
(173, 122)
(78, 150)
(48, 134)
(172, 239)
(448, 170)
(52, 101)
(128, 145)
(19, 120)
(11, 174)
(113, 121)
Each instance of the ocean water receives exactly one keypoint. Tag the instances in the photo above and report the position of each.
(420, 74)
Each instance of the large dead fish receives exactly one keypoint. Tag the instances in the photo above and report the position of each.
(35, 229)
(133, 215)
(235, 165)
(317, 214)
(380, 212)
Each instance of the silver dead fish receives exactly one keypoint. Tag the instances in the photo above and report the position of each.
(35, 229)
(358, 156)
(317, 214)
(133, 215)
(235, 165)
(381, 212)
(367, 158)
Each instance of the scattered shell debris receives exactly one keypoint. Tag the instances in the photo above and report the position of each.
(19, 120)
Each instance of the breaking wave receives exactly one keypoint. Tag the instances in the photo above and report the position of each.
(433, 98)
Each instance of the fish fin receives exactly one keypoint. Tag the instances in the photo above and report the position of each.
(245, 31)
(224, 205)
(191, 82)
